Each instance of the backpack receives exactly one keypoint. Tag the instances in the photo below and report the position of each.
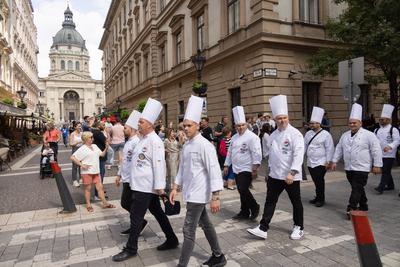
(391, 136)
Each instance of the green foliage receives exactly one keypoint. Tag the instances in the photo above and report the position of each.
(141, 105)
(8, 101)
(22, 105)
(124, 114)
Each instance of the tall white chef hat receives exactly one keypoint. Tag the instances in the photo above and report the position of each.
(133, 119)
(278, 105)
(194, 109)
(238, 115)
(317, 114)
(356, 112)
(152, 110)
(387, 111)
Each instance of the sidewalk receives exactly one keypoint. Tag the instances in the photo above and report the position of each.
(46, 238)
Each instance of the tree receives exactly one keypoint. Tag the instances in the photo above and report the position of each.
(368, 28)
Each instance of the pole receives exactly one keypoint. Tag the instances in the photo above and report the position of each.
(65, 195)
(350, 85)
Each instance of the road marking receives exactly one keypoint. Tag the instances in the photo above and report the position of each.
(25, 173)
(25, 159)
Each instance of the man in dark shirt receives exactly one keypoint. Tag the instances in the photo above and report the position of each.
(99, 139)
(206, 130)
(219, 127)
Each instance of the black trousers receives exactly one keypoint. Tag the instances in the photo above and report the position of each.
(247, 202)
(54, 146)
(140, 203)
(274, 189)
(387, 178)
(126, 197)
(358, 198)
(318, 177)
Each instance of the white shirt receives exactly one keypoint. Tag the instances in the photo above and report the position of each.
(388, 140)
(244, 152)
(286, 150)
(359, 151)
(89, 157)
(321, 149)
(125, 170)
(148, 165)
(199, 173)
(265, 149)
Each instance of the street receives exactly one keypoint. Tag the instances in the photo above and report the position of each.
(34, 233)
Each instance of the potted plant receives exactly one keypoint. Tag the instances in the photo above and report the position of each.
(22, 105)
(199, 87)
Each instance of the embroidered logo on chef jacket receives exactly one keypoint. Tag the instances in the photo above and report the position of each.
(389, 138)
(286, 147)
(144, 149)
(243, 148)
(142, 156)
(129, 155)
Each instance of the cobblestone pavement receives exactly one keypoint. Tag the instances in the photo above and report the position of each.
(44, 237)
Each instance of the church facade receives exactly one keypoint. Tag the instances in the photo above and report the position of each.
(69, 93)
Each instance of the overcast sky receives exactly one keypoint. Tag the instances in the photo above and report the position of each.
(89, 17)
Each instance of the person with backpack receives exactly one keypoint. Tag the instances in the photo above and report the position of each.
(389, 139)
(319, 148)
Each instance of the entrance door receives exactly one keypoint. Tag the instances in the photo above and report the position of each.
(71, 106)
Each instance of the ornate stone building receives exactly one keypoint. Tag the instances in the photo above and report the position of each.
(255, 49)
(69, 92)
(5, 51)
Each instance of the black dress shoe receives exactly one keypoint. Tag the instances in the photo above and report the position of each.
(168, 244)
(123, 255)
(126, 232)
(379, 190)
(254, 214)
(240, 216)
(216, 261)
(313, 201)
(319, 204)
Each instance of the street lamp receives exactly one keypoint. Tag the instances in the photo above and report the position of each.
(39, 108)
(47, 111)
(22, 93)
(198, 61)
(52, 115)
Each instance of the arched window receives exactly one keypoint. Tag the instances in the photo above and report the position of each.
(77, 65)
(53, 64)
(70, 65)
(62, 65)
(86, 66)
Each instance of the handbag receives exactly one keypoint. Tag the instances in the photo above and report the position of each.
(170, 209)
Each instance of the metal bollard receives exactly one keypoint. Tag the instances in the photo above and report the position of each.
(65, 195)
(367, 251)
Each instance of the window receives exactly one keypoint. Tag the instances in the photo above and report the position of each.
(200, 32)
(137, 25)
(77, 67)
(310, 99)
(98, 95)
(41, 93)
(178, 48)
(124, 14)
(166, 113)
(70, 65)
(163, 58)
(162, 5)
(130, 5)
(233, 16)
(62, 65)
(139, 80)
(146, 66)
(309, 11)
(363, 99)
(181, 105)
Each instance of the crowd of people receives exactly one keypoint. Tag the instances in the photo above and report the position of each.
(157, 163)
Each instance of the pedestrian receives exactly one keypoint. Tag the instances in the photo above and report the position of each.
(117, 139)
(360, 150)
(75, 141)
(87, 158)
(206, 130)
(52, 136)
(124, 172)
(64, 132)
(286, 150)
(229, 178)
(147, 183)
(110, 152)
(326, 123)
(218, 128)
(319, 150)
(199, 178)
(86, 125)
(172, 149)
(100, 140)
(389, 139)
(244, 154)
(271, 122)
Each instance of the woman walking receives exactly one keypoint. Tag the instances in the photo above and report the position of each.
(172, 148)
(75, 141)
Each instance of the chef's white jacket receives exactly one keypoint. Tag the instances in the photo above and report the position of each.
(387, 140)
(321, 149)
(126, 166)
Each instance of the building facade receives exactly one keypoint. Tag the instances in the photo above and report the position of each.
(255, 49)
(69, 93)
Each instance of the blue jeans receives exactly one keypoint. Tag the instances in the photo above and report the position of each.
(102, 174)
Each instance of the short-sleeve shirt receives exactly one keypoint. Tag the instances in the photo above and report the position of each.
(89, 157)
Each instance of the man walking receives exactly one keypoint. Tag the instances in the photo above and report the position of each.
(286, 147)
(319, 150)
(360, 150)
(389, 139)
(124, 172)
(117, 140)
(148, 179)
(245, 156)
(198, 177)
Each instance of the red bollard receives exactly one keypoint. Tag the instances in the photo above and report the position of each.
(367, 251)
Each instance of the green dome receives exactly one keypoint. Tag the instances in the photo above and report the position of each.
(68, 35)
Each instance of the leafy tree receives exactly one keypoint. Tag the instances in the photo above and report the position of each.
(369, 28)
(141, 105)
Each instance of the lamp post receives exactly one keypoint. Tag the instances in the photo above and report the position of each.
(52, 115)
(198, 61)
(39, 107)
(47, 112)
(22, 93)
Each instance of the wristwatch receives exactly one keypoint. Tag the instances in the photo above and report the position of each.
(215, 198)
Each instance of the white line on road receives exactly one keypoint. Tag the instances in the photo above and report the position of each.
(25, 173)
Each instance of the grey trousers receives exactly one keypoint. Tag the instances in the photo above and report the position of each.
(76, 170)
(196, 213)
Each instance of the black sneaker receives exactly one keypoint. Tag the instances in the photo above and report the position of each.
(216, 261)
(168, 244)
(319, 203)
(126, 232)
(240, 216)
(313, 201)
(254, 214)
(379, 190)
(144, 225)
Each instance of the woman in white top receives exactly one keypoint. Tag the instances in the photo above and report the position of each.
(87, 157)
(75, 141)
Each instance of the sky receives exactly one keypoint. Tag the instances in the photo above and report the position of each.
(89, 17)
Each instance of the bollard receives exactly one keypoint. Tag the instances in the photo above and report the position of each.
(367, 251)
(66, 199)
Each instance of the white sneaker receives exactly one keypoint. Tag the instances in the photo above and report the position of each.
(258, 232)
(95, 198)
(76, 184)
(296, 233)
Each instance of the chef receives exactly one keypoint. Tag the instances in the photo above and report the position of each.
(360, 150)
(147, 181)
(389, 139)
(319, 150)
(286, 146)
(245, 155)
(199, 178)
